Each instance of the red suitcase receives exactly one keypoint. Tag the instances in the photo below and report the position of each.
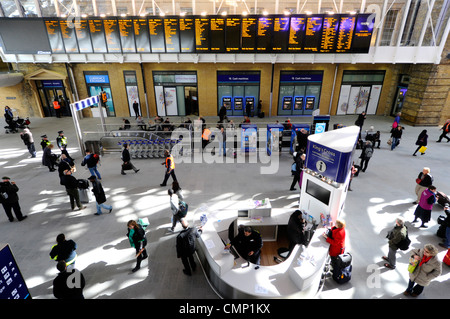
(446, 259)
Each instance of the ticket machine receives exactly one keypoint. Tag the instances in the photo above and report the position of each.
(238, 103)
(287, 103)
(226, 101)
(249, 138)
(274, 138)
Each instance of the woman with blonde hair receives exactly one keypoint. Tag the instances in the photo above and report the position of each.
(428, 267)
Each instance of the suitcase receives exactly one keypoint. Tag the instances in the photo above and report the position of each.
(343, 275)
(442, 199)
(441, 232)
(446, 259)
(344, 260)
(85, 195)
(83, 183)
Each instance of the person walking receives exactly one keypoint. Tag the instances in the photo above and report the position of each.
(428, 268)
(28, 140)
(423, 209)
(366, 155)
(100, 197)
(177, 190)
(126, 159)
(223, 114)
(71, 184)
(395, 236)
(64, 250)
(177, 214)
(170, 168)
(61, 287)
(91, 161)
(138, 240)
(397, 120)
(446, 224)
(10, 199)
(185, 246)
(422, 140)
(48, 158)
(299, 162)
(423, 181)
(445, 130)
(396, 135)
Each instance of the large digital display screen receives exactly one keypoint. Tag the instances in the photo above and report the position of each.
(298, 33)
(12, 283)
(318, 192)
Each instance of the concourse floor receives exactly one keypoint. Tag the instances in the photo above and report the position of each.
(382, 193)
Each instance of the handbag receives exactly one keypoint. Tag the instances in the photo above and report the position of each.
(412, 264)
(127, 166)
(422, 149)
(389, 141)
(418, 180)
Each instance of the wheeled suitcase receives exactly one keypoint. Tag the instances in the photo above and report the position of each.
(341, 276)
(83, 183)
(344, 260)
(442, 198)
(446, 259)
(84, 194)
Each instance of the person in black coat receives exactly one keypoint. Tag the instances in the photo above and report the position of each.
(223, 114)
(360, 120)
(71, 184)
(10, 199)
(126, 158)
(138, 240)
(366, 155)
(186, 247)
(248, 244)
(295, 229)
(99, 193)
(299, 162)
(422, 140)
(61, 287)
(48, 158)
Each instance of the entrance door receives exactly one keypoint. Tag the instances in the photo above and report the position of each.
(48, 95)
(191, 100)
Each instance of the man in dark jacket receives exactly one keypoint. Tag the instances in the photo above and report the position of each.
(126, 159)
(71, 184)
(395, 236)
(248, 244)
(91, 161)
(100, 197)
(186, 247)
(366, 155)
(68, 285)
(295, 229)
(10, 199)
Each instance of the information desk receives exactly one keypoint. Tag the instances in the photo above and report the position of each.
(297, 277)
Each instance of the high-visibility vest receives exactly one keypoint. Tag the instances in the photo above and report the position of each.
(104, 97)
(206, 134)
(172, 163)
(56, 105)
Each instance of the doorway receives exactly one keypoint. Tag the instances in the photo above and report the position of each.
(191, 100)
(48, 94)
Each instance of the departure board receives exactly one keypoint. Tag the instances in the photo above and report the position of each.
(172, 35)
(217, 34)
(202, 34)
(280, 34)
(83, 37)
(156, 29)
(345, 33)
(313, 34)
(264, 34)
(187, 35)
(54, 36)
(141, 35)
(296, 34)
(69, 36)
(126, 33)
(248, 34)
(97, 36)
(319, 33)
(362, 34)
(233, 34)
(329, 34)
(111, 27)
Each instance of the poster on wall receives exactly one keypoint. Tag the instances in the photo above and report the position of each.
(374, 98)
(159, 95)
(170, 98)
(343, 100)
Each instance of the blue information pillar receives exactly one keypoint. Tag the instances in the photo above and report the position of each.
(249, 137)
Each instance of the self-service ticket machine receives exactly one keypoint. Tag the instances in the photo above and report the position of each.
(327, 173)
(274, 138)
(295, 128)
(320, 124)
(227, 102)
(238, 106)
(249, 138)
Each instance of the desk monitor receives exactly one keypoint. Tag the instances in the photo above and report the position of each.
(318, 192)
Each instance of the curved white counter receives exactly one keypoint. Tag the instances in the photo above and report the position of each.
(297, 277)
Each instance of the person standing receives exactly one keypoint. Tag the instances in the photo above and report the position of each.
(446, 224)
(397, 120)
(91, 161)
(223, 114)
(396, 135)
(65, 164)
(423, 209)
(71, 184)
(295, 230)
(360, 120)
(64, 250)
(423, 181)
(126, 159)
(422, 140)
(366, 155)
(395, 236)
(100, 197)
(44, 141)
(336, 238)
(48, 158)
(10, 199)
(28, 140)
(138, 240)
(57, 107)
(61, 142)
(223, 141)
(61, 287)
(170, 168)
(136, 109)
(445, 129)
(428, 268)
(185, 246)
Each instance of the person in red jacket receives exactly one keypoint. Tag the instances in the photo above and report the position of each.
(336, 238)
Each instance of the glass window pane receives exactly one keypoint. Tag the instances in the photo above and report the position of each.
(48, 8)
(29, 8)
(9, 8)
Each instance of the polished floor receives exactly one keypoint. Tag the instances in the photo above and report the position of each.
(384, 192)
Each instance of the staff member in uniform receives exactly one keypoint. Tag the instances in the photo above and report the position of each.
(248, 244)
(170, 168)
(57, 107)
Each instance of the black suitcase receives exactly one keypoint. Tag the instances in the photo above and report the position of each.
(343, 275)
(343, 261)
(441, 232)
(442, 199)
(83, 184)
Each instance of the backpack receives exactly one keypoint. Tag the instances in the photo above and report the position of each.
(405, 242)
(182, 209)
(368, 152)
